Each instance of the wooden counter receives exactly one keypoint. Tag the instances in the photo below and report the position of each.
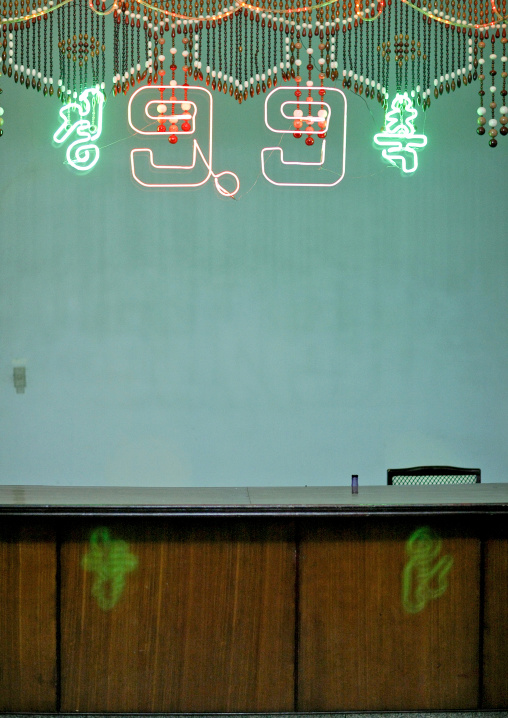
(253, 599)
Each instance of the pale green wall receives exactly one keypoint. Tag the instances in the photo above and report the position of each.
(286, 337)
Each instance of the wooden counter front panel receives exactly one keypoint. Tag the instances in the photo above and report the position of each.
(495, 637)
(360, 647)
(204, 623)
(27, 616)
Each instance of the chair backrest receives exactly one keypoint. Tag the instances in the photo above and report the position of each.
(427, 475)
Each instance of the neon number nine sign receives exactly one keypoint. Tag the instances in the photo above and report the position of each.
(182, 110)
(310, 116)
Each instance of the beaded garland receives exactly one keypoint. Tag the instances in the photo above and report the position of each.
(1, 114)
(426, 48)
(492, 122)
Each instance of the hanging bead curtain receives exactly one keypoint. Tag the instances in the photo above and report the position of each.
(375, 49)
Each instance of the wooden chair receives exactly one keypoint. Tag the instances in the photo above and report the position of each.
(426, 475)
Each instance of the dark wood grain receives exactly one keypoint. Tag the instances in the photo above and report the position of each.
(495, 637)
(358, 648)
(205, 623)
(27, 617)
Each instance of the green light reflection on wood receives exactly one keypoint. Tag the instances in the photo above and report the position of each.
(425, 575)
(110, 560)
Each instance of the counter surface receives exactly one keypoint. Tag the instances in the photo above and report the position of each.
(262, 501)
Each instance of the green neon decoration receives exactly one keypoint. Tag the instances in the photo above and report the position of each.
(85, 119)
(425, 576)
(399, 138)
(110, 560)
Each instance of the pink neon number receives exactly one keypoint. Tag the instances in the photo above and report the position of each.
(313, 115)
(185, 109)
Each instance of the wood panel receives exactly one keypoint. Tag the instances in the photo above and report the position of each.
(205, 621)
(359, 647)
(27, 616)
(495, 638)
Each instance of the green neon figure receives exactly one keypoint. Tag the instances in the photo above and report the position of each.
(82, 154)
(110, 560)
(425, 576)
(399, 138)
